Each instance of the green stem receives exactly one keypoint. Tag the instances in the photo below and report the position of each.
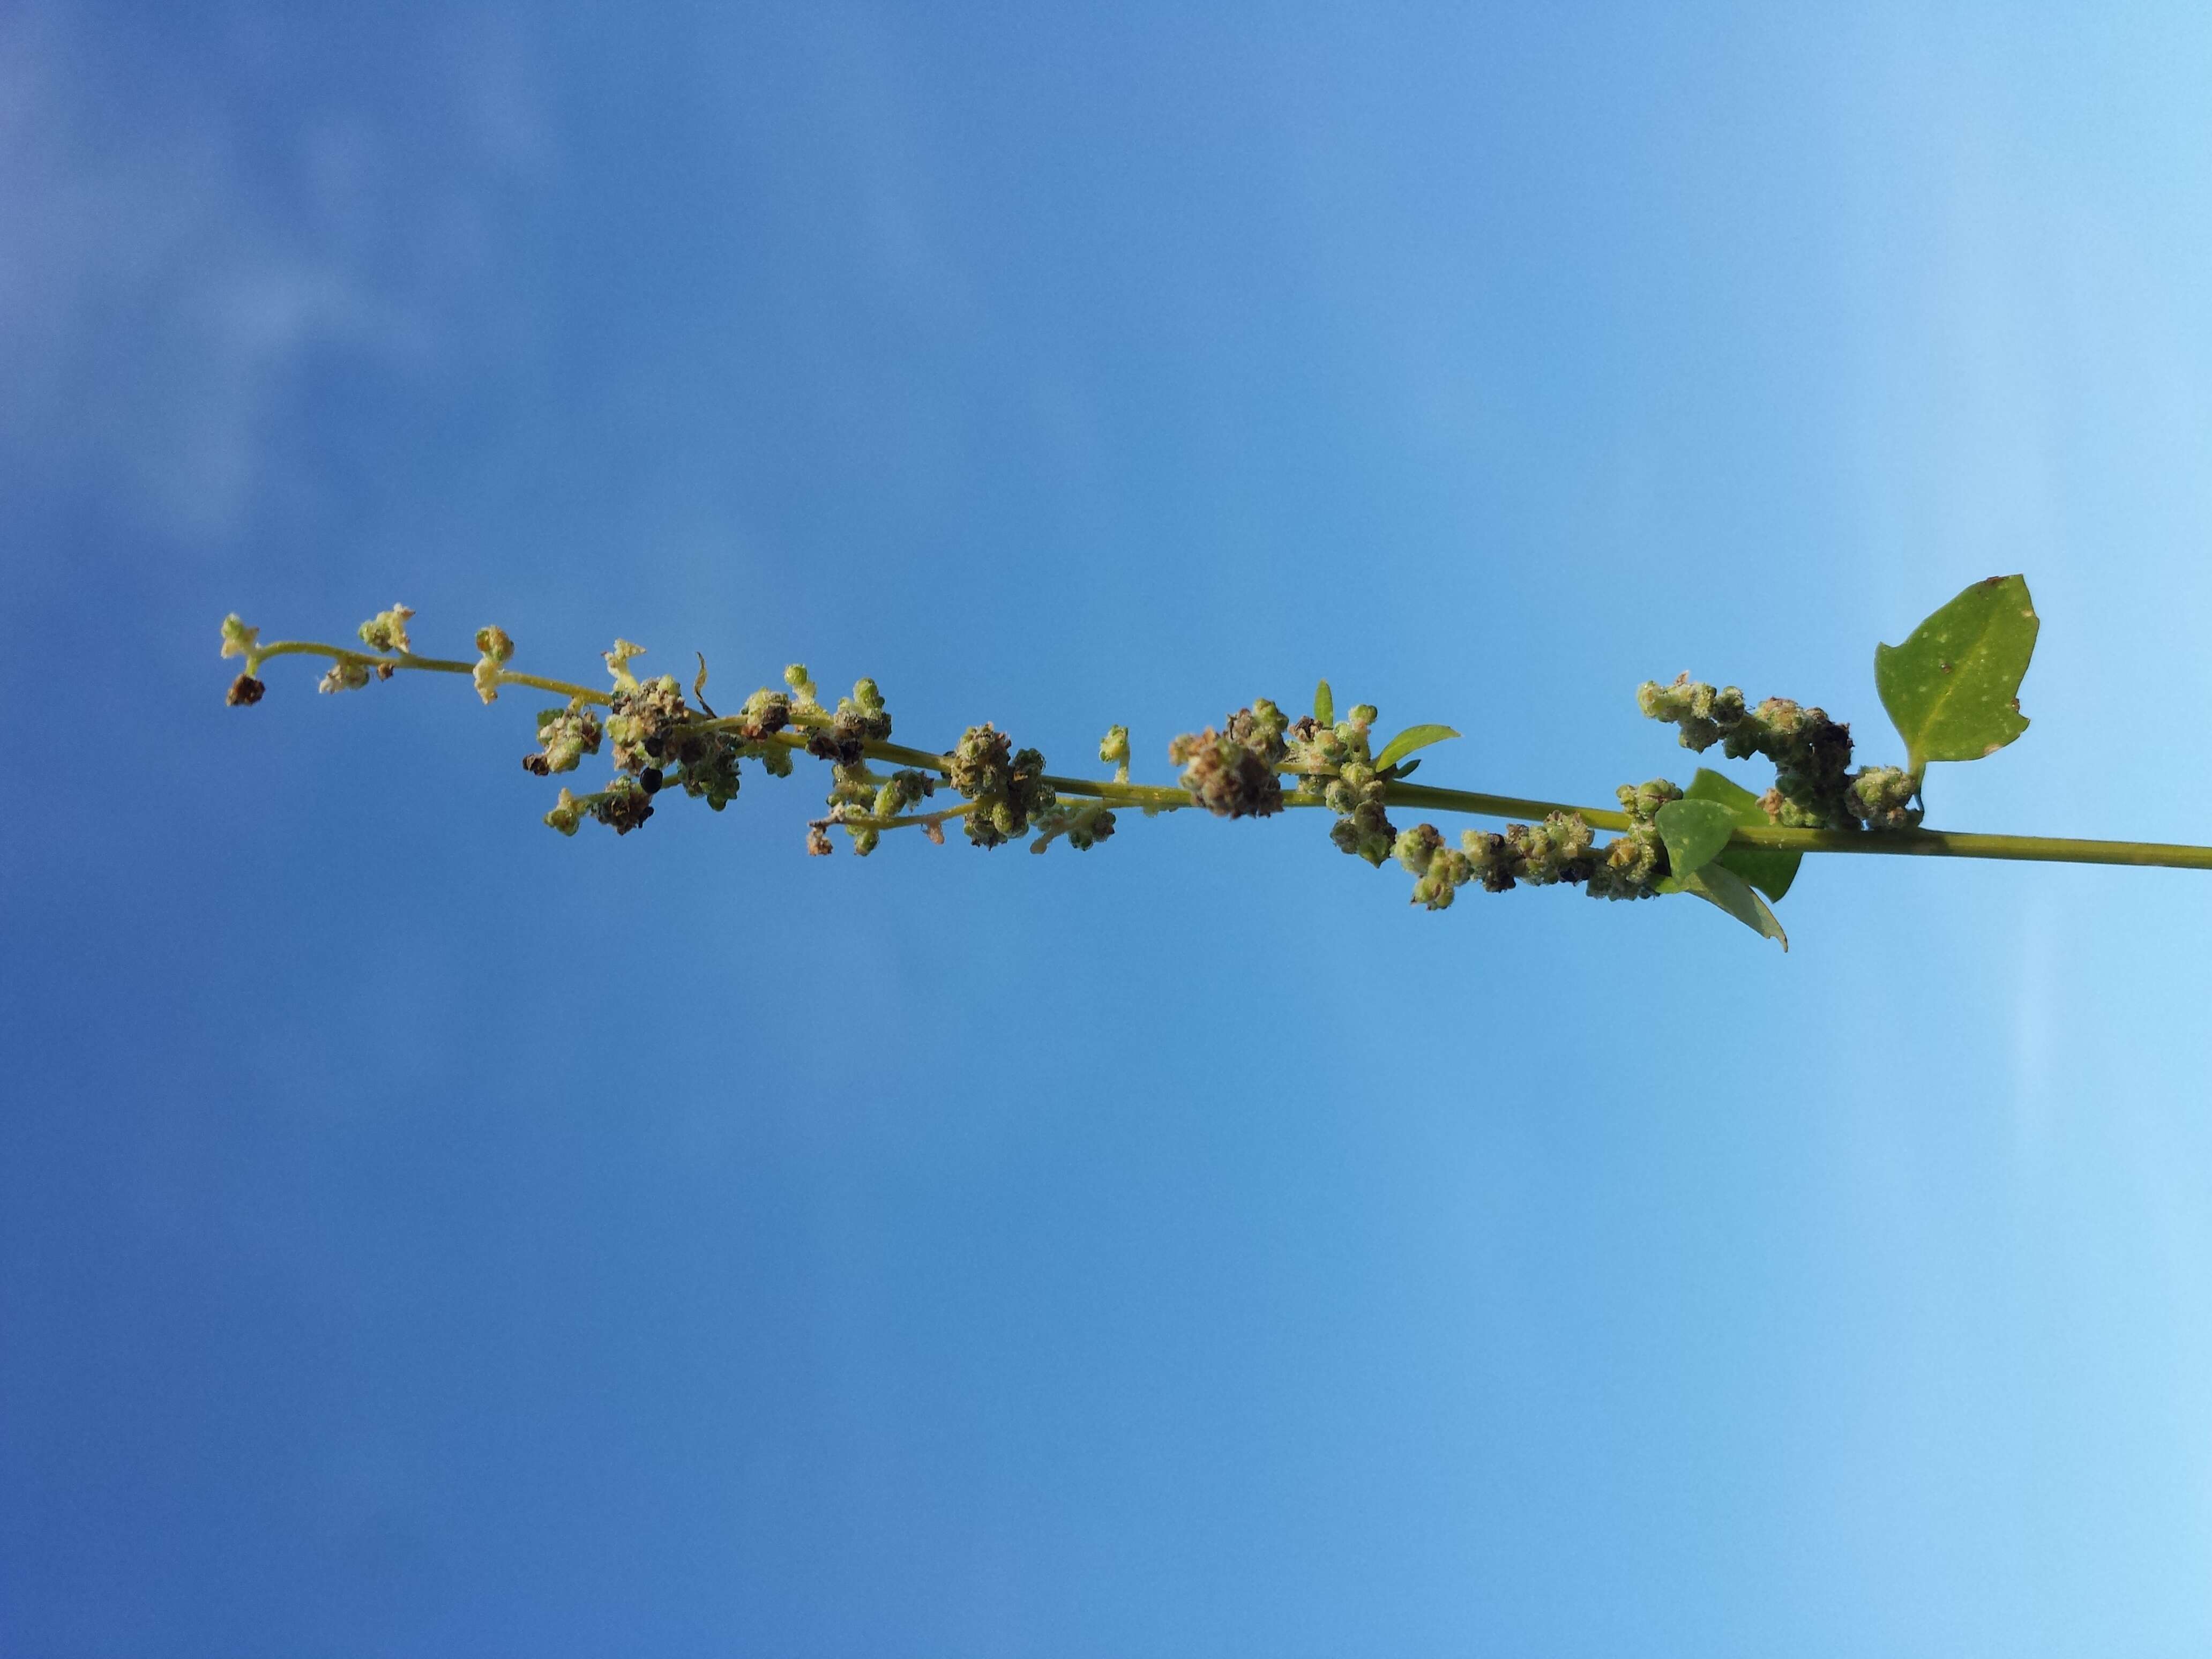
(867, 821)
(261, 653)
(1953, 844)
(1907, 843)
(1123, 794)
(1904, 843)
(1498, 806)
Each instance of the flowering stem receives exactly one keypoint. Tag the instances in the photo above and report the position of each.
(1921, 843)
(378, 659)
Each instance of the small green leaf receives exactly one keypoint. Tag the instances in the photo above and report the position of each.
(1770, 872)
(1952, 689)
(1719, 885)
(699, 685)
(1695, 831)
(1404, 769)
(1324, 704)
(1413, 738)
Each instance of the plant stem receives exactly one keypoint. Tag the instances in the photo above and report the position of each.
(1499, 806)
(1950, 843)
(261, 653)
(1908, 843)
(1905, 843)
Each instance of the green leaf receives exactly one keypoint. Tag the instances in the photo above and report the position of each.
(1413, 738)
(1324, 704)
(1770, 872)
(1695, 831)
(699, 685)
(1404, 769)
(1719, 885)
(1952, 689)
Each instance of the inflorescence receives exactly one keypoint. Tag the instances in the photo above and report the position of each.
(1258, 762)
(1815, 788)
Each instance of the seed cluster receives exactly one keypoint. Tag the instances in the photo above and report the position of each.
(565, 736)
(1006, 785)
(1256, 764)
(1562, 848)
(1340, 756)
(1815, 788)
(1231, 772)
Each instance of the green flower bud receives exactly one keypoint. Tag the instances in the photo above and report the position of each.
(618, 661)
(644, 722)
(497, 649)
(565, 735)
(1882, 795)
(344, 675)
(709, 763)
(387, 630)
(904, 789)
(1006, 785)
(567, 813)
(765, 713)
(1417, 847)
(1644, 800)
(864, 715)
(239, 639)
(1090, 828)
(1703, 714)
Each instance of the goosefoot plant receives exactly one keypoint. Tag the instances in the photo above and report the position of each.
(1952, 690)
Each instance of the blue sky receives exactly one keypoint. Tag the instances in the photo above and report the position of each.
(422, 1234)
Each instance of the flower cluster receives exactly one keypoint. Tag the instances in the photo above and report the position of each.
(1337, 755)
(495, 652)
(1258, 763)
(765, 713)
(565, 736)
(1558, 849)
(1883, 796)
(1815, 788)
(1006, 785)
(1635, 860)
(861, 719)
(1231, 772)
(239, 640)
(623, 806)
(1085, 825)
(386, 630)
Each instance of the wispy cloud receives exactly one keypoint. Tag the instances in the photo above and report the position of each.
(173, 252)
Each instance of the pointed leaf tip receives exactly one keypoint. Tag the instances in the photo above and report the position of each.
(1720, 886)
(1413, 738)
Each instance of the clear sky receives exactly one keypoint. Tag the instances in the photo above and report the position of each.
(421, 1234)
